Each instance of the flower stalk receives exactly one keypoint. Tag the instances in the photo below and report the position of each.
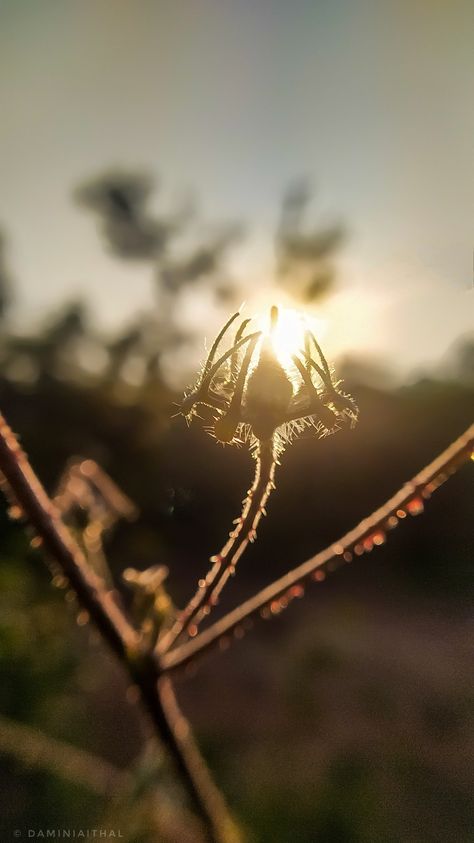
(225, 562)
(254, 397)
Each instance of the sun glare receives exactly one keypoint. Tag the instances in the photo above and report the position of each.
(288, 335)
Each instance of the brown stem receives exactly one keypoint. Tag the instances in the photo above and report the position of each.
(224, 826)
(175, 732)
(225, 561)
(369, 533)
(31, 500)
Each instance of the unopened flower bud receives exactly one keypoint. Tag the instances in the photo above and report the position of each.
(268, 393)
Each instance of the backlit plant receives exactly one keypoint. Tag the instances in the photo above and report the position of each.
(266, 388)
(270, 384)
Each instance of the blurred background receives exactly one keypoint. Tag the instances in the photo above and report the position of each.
(161, 163)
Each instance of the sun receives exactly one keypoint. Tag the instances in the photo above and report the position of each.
(288, 335)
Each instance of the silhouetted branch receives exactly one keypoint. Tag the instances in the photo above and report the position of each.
(372, 531)
(30, 500)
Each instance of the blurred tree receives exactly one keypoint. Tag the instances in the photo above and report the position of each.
(305, 257)
(41, 354)
(5, 280)
(130, 230)
(204, 261)
(121, 199)
(463, 364)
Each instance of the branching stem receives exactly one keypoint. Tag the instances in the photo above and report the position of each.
(105, 613)
(368, 534)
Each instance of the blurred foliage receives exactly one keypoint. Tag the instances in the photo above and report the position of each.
(131, 231)
(361, 726)
(5, 281)
(305, 257)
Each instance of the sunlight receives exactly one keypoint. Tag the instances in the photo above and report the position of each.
(288, 335)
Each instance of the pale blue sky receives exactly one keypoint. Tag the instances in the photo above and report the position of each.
(232, 98)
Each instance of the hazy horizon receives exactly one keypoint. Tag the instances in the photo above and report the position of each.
(373, 103)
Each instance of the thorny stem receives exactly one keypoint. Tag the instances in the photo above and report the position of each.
(31, 500)
(225, 561)
(368, 534)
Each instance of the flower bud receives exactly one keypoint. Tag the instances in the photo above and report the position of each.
(268, 394)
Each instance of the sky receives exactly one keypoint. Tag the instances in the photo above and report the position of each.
(232, 100)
